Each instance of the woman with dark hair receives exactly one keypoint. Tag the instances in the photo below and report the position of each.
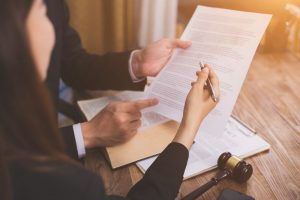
(33, 164)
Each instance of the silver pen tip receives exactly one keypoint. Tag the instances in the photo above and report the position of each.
(214, 98)
(201, 65)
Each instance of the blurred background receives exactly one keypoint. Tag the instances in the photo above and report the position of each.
(120, 25)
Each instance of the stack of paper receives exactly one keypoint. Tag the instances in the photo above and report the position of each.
(237, 139)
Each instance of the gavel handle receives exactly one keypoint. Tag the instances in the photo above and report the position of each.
(201, 190)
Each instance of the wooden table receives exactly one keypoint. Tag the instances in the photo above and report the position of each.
(270, 103)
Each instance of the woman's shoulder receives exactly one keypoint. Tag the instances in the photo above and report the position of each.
(54, 180)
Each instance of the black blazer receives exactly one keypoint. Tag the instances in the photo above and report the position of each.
(56, 180)
(79, 69)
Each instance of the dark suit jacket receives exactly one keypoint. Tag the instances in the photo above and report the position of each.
(56, 180)
(79, 69)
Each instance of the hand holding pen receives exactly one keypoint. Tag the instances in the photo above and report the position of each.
(209, 85)
(197, 105)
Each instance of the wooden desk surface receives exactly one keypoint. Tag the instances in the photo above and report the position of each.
(270, 103)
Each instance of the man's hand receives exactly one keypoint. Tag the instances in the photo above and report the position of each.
(116, 123)
(150, 60)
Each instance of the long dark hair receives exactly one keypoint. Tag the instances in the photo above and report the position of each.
(28, 130)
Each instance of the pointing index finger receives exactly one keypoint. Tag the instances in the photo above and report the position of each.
(141, 104)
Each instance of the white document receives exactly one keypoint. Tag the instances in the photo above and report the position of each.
(92, 107)
(237, 139)
(224, 39)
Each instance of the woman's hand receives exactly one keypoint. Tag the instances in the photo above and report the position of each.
(198, 104)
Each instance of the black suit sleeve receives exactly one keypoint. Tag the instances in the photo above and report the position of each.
(82, 70)
(96, 191)
(70, 143)
(163, 179)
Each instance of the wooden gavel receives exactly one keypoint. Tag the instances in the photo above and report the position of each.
(232, 167)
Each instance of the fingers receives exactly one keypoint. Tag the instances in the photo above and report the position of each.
(215, 82)
(126, 118)
(131, 129)
(135, 125)
(132, 106)
(207, 72)
(176, 43)
(212, 76)
(141, 104)
(130, 117)
(126, 112)
(202, 77)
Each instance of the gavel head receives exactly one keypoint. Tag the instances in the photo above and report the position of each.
(239, 169)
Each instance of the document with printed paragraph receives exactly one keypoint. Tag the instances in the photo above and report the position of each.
(237, 138)
(224, 39)
(227, 41)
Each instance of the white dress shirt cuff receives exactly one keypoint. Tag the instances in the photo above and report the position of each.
(79, 140)
(133, 77)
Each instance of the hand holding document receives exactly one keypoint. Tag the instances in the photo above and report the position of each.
(227, 41)
(224, 39)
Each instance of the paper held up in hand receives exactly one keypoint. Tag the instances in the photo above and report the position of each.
(227, 41)
(224, 39)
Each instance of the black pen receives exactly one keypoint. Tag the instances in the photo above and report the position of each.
(209, 85)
